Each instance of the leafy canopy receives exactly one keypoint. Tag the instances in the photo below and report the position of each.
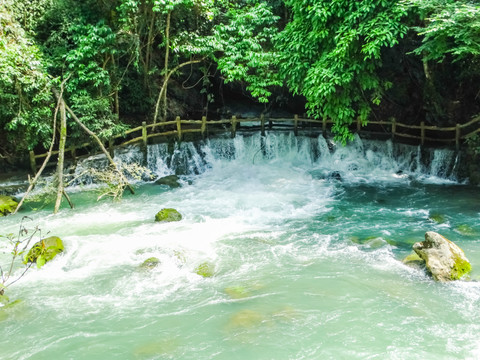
(330, 52)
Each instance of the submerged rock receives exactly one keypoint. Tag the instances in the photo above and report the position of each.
(437, 218)
(246, 319)
(7, 205)
(170, 180)
(237, 292)
(150, 263)
(465, 230)
(205, 269)
(444, 260)
(44, 250)
(168, 215)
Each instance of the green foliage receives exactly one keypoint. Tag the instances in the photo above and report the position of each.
(330, 52)
(450, 27)
(245, 52)
(25, 97)
(96, 114)
(93, 45)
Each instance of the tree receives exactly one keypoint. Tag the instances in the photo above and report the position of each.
(449, 33)
(26, 102)
(236, 36)
(330, 53)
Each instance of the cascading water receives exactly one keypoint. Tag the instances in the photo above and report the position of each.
(305, 237)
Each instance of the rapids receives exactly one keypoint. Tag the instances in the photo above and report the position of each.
(306, 238)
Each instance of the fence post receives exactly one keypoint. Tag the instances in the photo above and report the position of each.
(295, 125)
(394, 128)
(359, 124)
(262, 124)
(179, 128)
(73, 153)
(422, 132)
(234, 126)
(204, 126)
(324, 125)
(33, 162)
(458, 132)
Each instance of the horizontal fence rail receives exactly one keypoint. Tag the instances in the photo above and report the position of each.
(179, 127)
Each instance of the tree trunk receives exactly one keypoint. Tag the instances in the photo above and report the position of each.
(165, 70)
(148, 54)
(61, 156)
(49, 153)
(116, 101)
(164, 86)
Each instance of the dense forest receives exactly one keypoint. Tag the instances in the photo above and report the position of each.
(121, 62)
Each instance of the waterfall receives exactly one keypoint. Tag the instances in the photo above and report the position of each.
(361, 160)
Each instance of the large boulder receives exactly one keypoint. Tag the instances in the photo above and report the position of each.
(168, 215)
(7, 205)
(44, 250)
(443, 259)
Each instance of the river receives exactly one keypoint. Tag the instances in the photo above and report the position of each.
(306, 239)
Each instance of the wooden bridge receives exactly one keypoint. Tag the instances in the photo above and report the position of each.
(178, 129)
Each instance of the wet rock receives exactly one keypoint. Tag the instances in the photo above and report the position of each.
(7, 205)
(170, 180)
(168, 215)
(246, 319)
(443, 259)
(414, 261)
(157, 349)
(237, 292)
(334, 175)
(205, 269)
(150, 263)
(44, 250)
(465, 230)
(437, 218)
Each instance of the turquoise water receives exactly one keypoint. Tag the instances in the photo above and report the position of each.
(307, 266)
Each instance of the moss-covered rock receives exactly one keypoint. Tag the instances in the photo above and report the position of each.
(237, 292)
(465, 230)
(170, 180)
(150, 263)
(443, 259)
(168, 215)
(437, 218)
(4, 300)
(7, 205)
(205, 269)
(246, 319)
(414, 261)
(44, 250)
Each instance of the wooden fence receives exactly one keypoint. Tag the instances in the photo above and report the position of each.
(179, 128)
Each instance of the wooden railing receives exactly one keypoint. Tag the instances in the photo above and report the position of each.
(178, 128)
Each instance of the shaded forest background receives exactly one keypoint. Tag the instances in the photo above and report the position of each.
(122, 62)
